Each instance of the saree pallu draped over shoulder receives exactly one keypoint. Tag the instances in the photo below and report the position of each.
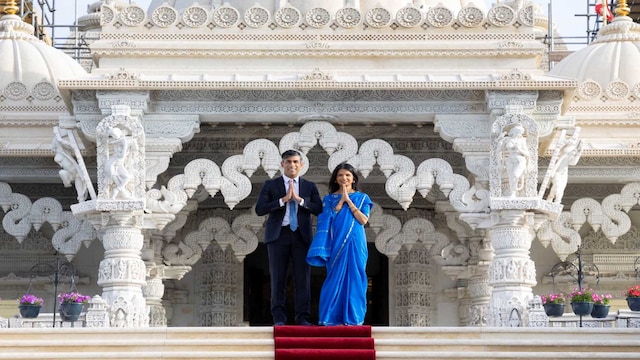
(340, 245)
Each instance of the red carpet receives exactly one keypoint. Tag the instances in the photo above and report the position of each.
(323, 342)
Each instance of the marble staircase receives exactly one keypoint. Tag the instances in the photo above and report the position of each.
(249, 343)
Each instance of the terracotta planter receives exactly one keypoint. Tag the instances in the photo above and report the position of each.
(554, 310)
(582, 307)
(29, 311)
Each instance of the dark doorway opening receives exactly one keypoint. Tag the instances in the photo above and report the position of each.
(257, 293)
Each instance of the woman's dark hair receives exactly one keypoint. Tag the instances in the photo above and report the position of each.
(333, 184)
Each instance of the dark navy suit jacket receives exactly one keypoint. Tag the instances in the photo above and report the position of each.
(268, 203)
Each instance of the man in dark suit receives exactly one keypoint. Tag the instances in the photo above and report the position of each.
(289, 200)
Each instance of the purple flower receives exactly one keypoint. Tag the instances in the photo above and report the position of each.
(30, 299)
(73, 297)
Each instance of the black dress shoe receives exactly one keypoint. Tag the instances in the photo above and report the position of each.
(305, 323)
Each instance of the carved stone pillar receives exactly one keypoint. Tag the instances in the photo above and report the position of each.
(512, 273)
(118, 214)
(221, 279)
(153, 294)
(122, 273)
(479, 288)
(412, 281)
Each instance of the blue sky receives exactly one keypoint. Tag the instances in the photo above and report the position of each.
(564, 12)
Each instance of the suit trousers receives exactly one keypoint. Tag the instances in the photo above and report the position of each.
(289, 249)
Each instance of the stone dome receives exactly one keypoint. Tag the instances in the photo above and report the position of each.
(30, 69)
(609, 65)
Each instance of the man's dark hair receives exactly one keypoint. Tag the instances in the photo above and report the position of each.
(290, 153)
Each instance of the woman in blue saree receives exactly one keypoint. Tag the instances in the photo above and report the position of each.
(340, 245)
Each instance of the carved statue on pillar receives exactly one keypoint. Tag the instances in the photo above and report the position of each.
(117, 166)
(568, 153)
(515, 156)
(72, 172)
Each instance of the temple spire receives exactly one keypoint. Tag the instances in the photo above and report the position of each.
(8, 7)
(622, 9)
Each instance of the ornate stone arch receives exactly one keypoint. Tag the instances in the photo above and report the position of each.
(21, 216)
(611, 217)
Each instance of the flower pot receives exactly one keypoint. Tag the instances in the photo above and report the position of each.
(634, 303)
(553, 310)
(600, 311)
(70, 311)
(582, 307)
(29, 311)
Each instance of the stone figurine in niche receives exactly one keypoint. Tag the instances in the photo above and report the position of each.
(569, 154)
(117, 166)
(70, 172)
(513, 150)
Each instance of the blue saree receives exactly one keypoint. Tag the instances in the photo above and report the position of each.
(340, 245)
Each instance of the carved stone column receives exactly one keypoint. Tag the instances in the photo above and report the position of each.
(118, 214)
(512, 273)
(221, 279)
(412, 282)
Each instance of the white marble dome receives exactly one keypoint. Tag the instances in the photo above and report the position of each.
(30, 69)
(608, 66)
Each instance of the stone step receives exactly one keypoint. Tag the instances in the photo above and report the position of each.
(252, 343)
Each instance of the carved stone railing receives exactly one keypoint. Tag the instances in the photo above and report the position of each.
(96, 315)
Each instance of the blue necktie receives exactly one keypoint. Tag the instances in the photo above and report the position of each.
(293, 216)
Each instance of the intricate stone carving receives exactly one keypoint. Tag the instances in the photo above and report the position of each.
(411, 287)
(107, 15)
(526, 15)
(16, 91)
(72, 234)
(378, 17)
(195, 16)
(44, 90)
(317, 75)
(348, 17)
(589, 90)
(97, 315)
(21, 215)
(511, 272)
(164, 16)
(256, 16)
(67, 155)
(132, 15)
(120, 144)
(226, 16)
(287, 17)
(439, 16)
(317, 17)
(617, 90)
(567, 153)
(501, 15)
(514, 157)
(470, 16)
(409, 17)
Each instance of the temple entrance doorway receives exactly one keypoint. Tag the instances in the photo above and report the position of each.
(257, 292)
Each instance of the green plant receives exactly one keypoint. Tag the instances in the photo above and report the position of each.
(73, 297)
(582, 295)
(30, 299)
(553, 298)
